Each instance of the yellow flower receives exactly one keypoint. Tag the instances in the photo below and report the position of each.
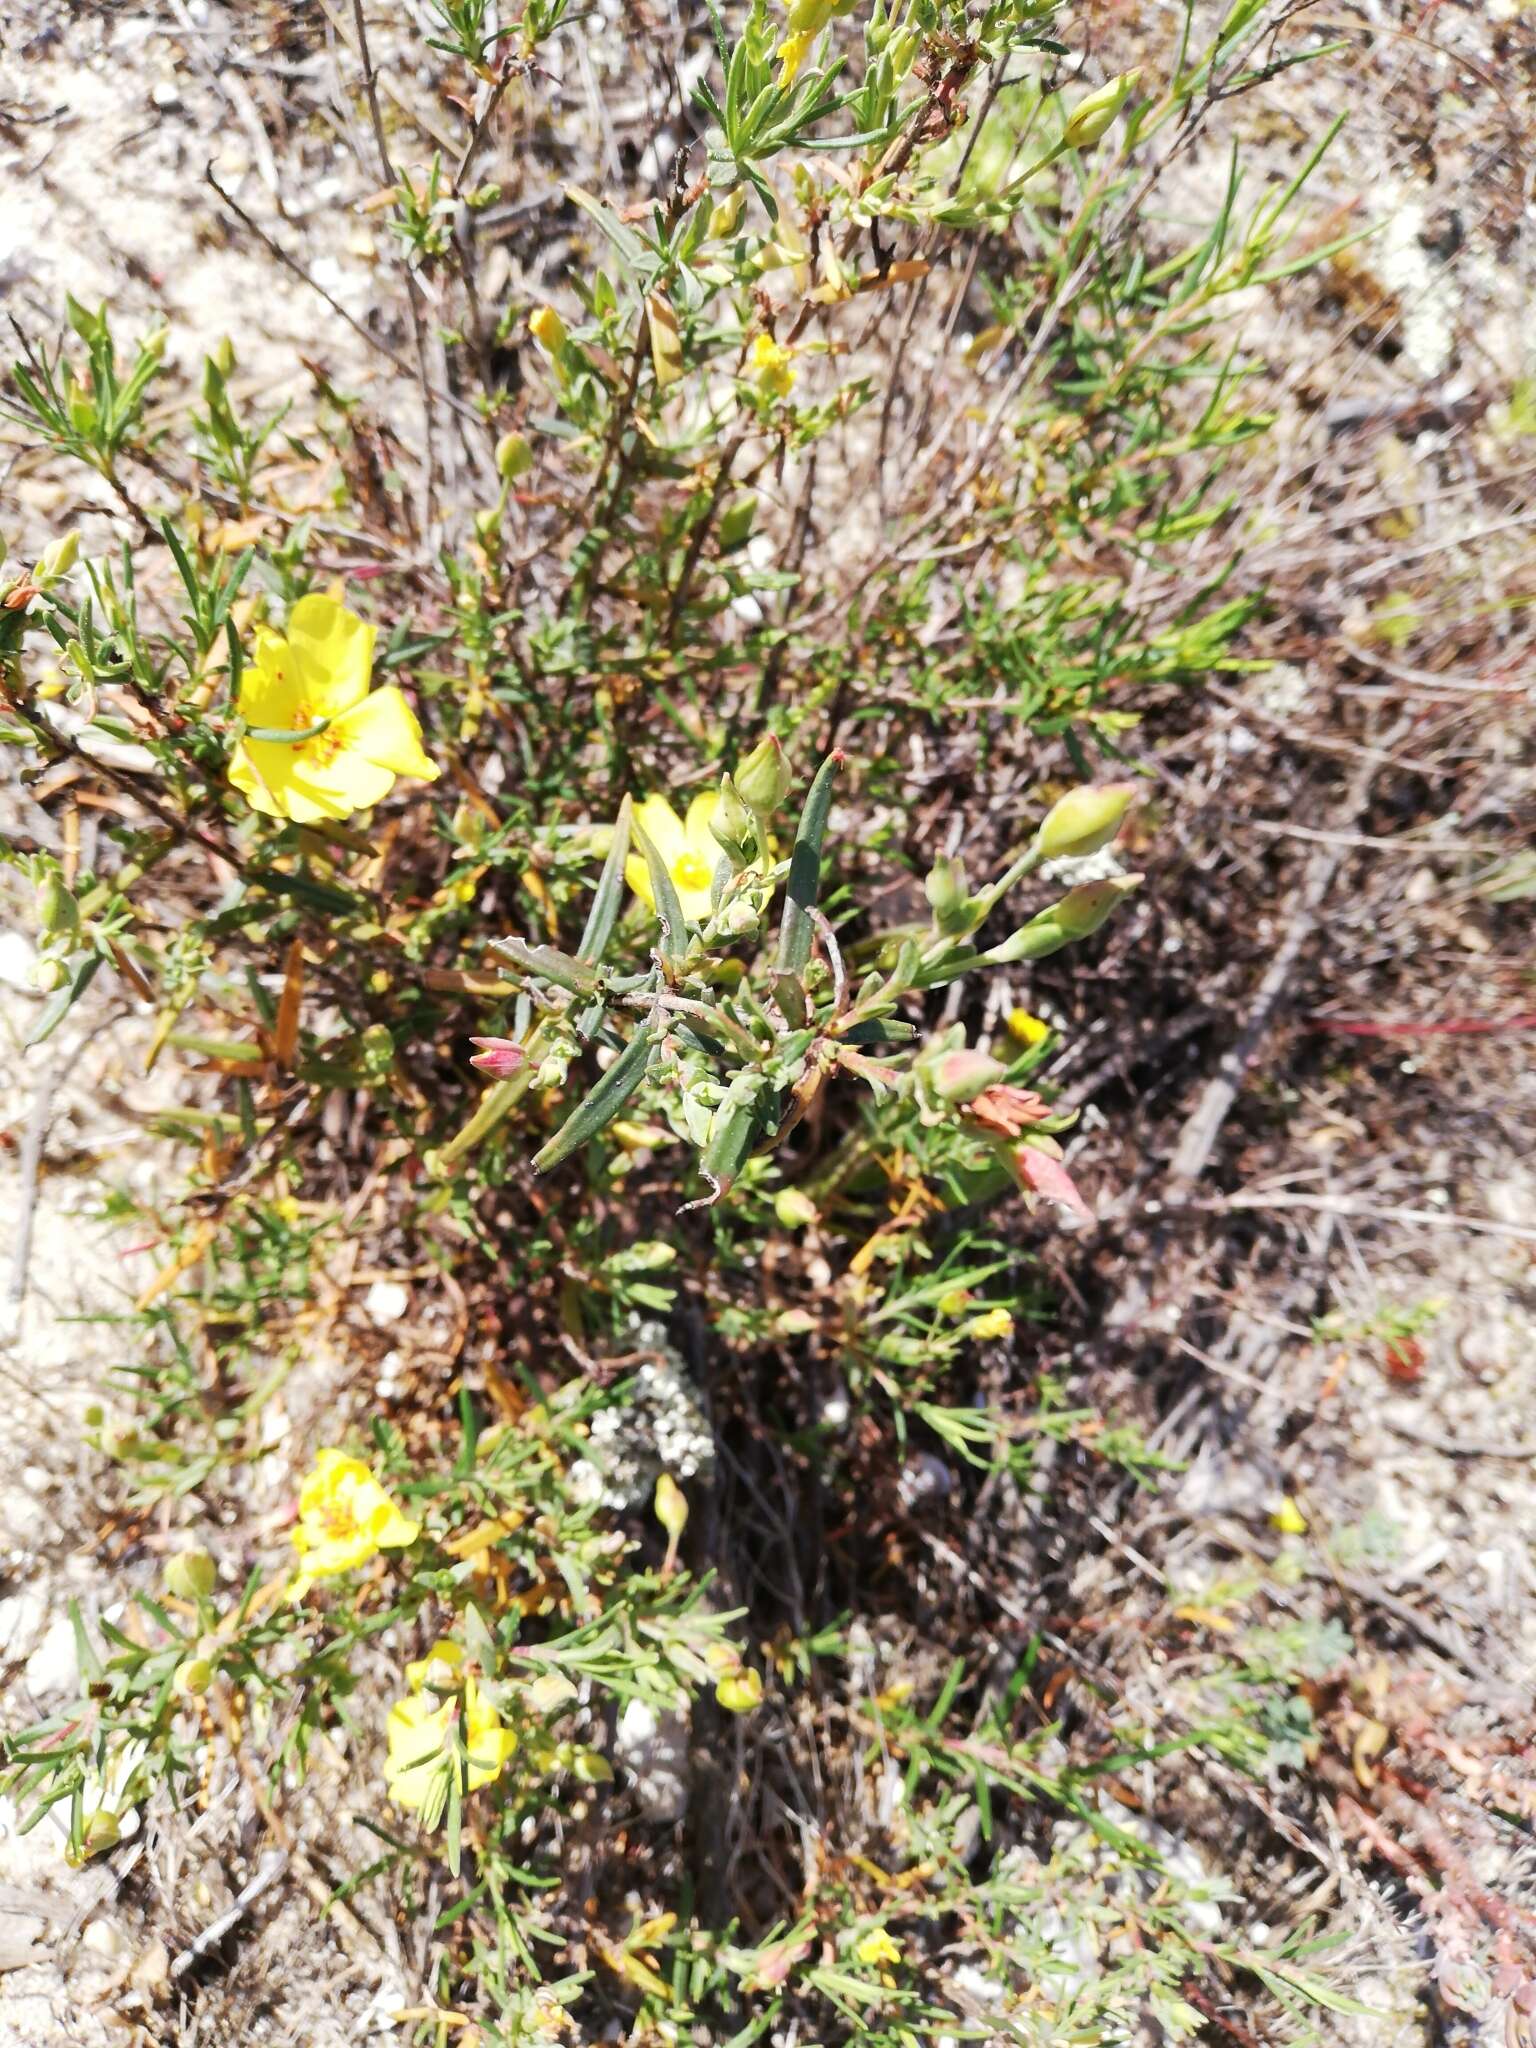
(995, 1322)
(441, 1670)
(425, 1744)
(322, 744)
(1027, 1028)
(792, 54)
(1288, 1518)
(547, 329)
(687, 848)
(878, 1947)
(345, 1517)
(772, 366)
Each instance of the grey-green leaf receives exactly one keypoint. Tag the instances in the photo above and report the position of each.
(674, 927)
(599, 1108)
(609, 899)
(805, 870)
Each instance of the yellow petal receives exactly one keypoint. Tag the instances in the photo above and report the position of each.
(663, 827)
(638, 876)
(440, 1665)
(332, 651)
(701, 840)
(269, 684)
(268, 774)
(383, 729)
(336, 787)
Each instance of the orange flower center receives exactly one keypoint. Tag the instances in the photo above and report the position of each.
(338, 1521)
(325, 746)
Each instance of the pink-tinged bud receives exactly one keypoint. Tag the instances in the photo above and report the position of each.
(957, 1076)
(498, 1057)
(1084, 820)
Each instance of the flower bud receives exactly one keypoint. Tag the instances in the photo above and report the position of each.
(992, 1324)
(1084, 820)
(741, 1691)
(191, 1575)
(100, 1833)
(1084, 909)
(1090, 117)
(905, 45)
(736, 522)
(49, 975)
(498, 1057)
(794, 1209)
(731, 825)
(727, 212)
(1287, 1517)
(81, 406)
(193, 1678)
(223, 357)
(588, 1767)
(58, 558)
(548, 330)
(957, 1076)
(56, 908)
(946, 892)
(763, 779)
(514, 457)
(487, 523)
(671, 1506)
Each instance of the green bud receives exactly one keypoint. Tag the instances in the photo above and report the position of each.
(81, 406)
(961, 1075)
(731, 825)
(1084, 820)
(193, 1678)
(223, 357)
(727, 212)
(794, 1209)
(56, 908)
(588, 1766)
(736, 522)
(100, 1833)
(49, 975)
(946, 892)
(905, 45)
(153, 345)
(547, 329)
(488, 523)
(191, 1575)
(1084, 909)
(58, 558)
(1090, 117)
(741, 1691)
(514, 457)
(763, 779)
(671, 1506)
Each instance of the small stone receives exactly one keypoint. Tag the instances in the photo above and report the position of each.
(653, 1750)
(53, 1666)
(18, 962)
(104, 1938)
(386, 1302)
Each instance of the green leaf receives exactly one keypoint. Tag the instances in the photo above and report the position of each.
(805, 870)
(674, 926)
(599, 1108)
(609, 898)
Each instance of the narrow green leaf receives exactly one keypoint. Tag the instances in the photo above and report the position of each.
(674, 926)
(550, 964)
(603, 1104)
(805, 869)
(609, 899)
